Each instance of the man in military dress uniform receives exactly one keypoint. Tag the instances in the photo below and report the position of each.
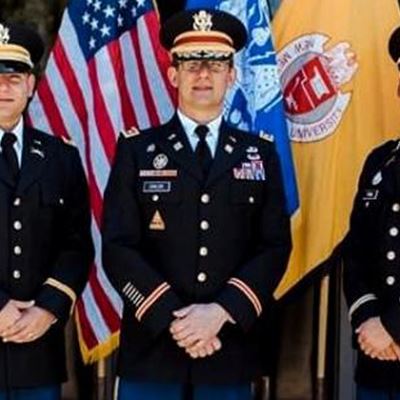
(372, 274)
(196, 236)
(45, 244)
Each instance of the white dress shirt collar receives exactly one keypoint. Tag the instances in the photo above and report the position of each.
(189, 125)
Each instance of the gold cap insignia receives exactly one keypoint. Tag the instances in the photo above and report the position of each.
(4, 34)
(202, 21)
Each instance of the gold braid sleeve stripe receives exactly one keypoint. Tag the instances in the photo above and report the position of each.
(62, 287)
(248, 292)
(151, 299)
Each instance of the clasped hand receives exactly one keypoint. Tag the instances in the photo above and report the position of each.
(376, 342)
(23, 322)
(196, 328)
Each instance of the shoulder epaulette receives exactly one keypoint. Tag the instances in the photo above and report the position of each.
(394, 154)
(68, 141)
(397, 147)
(267, 137)
(131, 132)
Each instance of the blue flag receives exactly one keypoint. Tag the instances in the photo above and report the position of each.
(255, 103)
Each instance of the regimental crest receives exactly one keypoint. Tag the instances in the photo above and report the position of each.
(4, 34)
(312, 77)
(202, 21)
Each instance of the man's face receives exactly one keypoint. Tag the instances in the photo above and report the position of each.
(201, 84)
(15, 90)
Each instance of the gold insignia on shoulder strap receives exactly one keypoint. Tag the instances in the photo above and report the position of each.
(267, 136)
(131, 132)
(68, 141)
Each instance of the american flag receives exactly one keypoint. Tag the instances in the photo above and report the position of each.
(105, 73)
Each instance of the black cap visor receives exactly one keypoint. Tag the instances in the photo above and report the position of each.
(9, 67)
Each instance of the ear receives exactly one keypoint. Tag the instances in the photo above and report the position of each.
(31, 84)
(232, 76)
(173, 76)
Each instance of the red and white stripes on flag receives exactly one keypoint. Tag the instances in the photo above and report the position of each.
(105, 73)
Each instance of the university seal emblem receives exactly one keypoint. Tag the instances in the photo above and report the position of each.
(313, 76)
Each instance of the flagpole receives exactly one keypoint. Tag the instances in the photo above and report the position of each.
(101, 379)
(322, 334)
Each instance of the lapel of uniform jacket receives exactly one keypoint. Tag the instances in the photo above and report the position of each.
(35, 154)
(230, 150)
(175, 143)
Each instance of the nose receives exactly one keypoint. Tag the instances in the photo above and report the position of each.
(204, 69)
(3, 84)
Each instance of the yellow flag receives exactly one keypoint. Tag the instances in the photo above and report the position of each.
(340, 88)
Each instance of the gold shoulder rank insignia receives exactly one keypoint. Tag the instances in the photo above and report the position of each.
(267, 137)
(68, 141)
(131, 132)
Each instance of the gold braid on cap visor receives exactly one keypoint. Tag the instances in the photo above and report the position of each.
(13, 52)
(202, 40)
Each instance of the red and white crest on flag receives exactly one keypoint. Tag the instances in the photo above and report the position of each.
(312, 79)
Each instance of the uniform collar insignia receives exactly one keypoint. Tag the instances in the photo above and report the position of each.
(178, 146)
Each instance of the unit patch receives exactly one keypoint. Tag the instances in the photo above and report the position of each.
(377, 179)
(157, 223)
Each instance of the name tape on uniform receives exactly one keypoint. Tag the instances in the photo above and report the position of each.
(156, 187)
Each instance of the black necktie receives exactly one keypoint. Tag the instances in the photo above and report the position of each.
(9, 154)
(203, 152)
